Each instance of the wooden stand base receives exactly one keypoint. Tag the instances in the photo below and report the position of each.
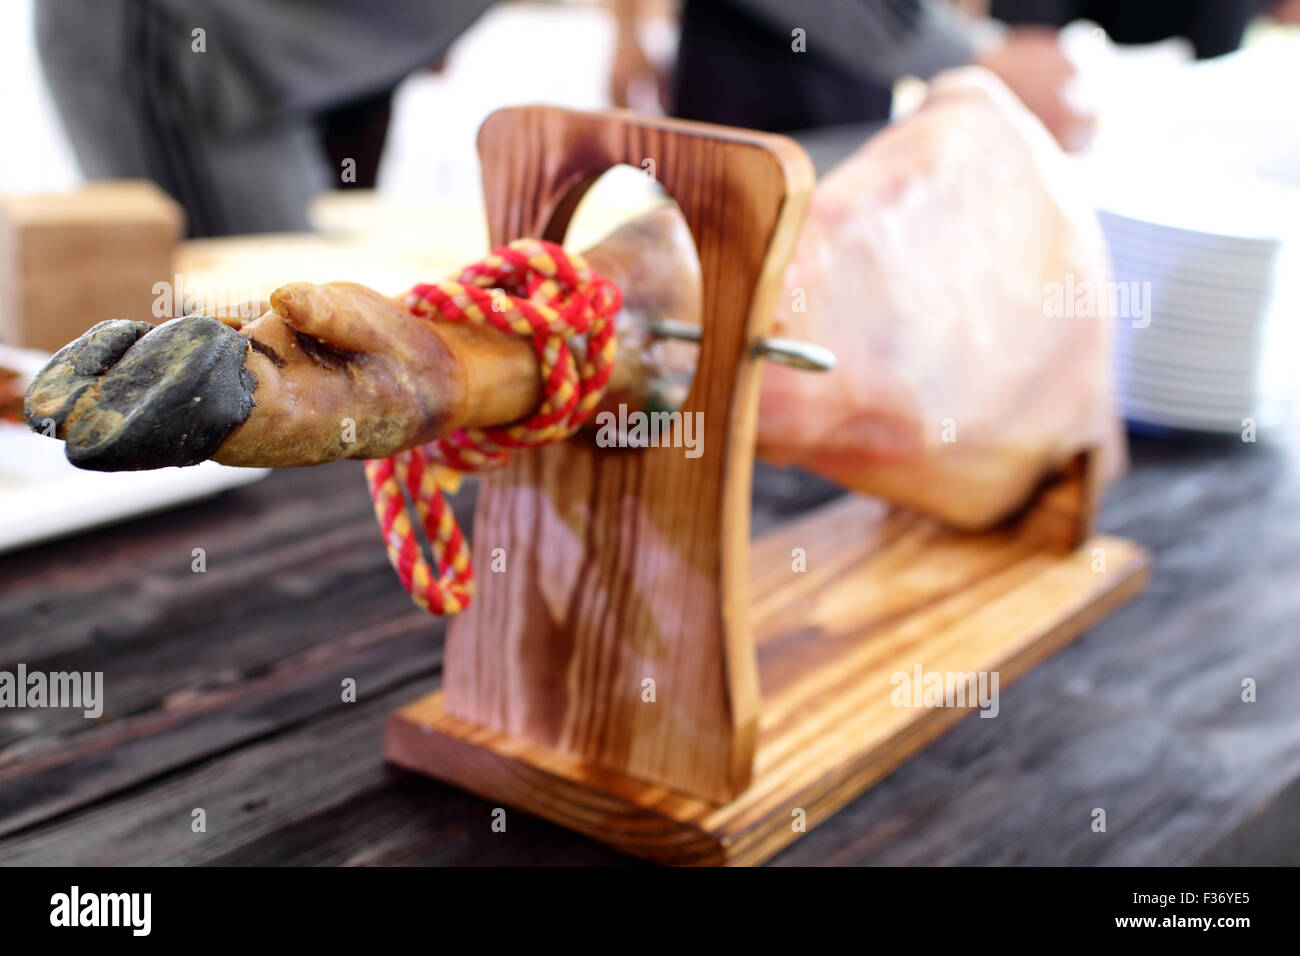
(884, 593)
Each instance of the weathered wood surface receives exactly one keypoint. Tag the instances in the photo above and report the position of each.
(223, 692)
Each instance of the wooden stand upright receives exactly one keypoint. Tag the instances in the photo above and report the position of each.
(658, 682)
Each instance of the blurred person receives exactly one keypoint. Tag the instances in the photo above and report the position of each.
(1213, 27)
(1286, 12)
(777, 66)
(242, 110)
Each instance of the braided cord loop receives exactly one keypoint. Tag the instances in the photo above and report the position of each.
(531, 288)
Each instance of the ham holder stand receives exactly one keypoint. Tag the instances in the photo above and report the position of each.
(646, 674)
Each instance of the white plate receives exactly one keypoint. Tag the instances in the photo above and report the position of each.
(1126, 226)
(1155, 257)
(1214, 382)
(1181, 265)
(1135, 224)
(1218, 336)
(1187, 381)
(1197, 204)
(42, 496)
(1180, 309)
(1187, 355)
(1192, 398)
(1233, 311)
(1175, 405)
(1185, 411)
(1223, 425)
(1203, 276)
(1179, 330)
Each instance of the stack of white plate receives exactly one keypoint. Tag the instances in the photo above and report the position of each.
(1195, 177)
(1191, 347)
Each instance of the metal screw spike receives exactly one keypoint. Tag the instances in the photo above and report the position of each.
(800, 355)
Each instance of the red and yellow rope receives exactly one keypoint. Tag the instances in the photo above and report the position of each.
(530, 288)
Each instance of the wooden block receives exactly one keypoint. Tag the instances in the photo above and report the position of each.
(70, 260)
(884, 593)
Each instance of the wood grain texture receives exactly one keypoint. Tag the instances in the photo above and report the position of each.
(885, 592)
(1141, 715)
(1063, 511)
(629, 565)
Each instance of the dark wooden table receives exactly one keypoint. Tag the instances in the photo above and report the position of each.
(223, 692)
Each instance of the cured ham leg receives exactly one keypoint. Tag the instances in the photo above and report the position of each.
(926, 264)
(922, 265)
(335, 371)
